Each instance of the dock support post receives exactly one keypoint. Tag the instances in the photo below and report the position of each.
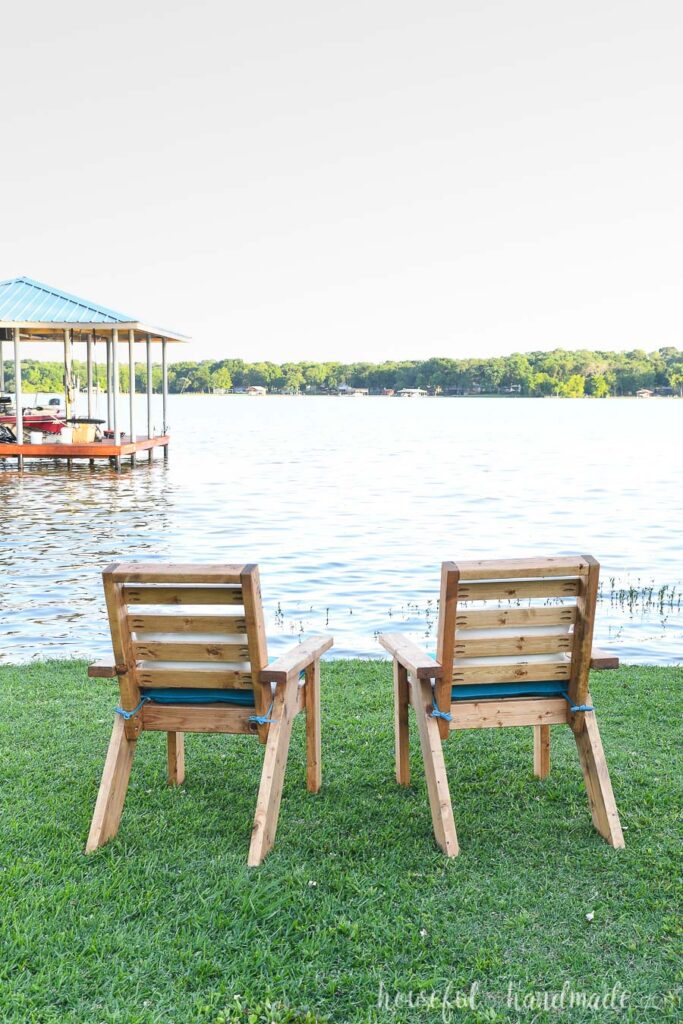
(2, 369)
(150, 388)
(115, 392)
(68, 375)
(164, 389)
(88, 358)
(107, 343)
(17, 394)
(131, 389)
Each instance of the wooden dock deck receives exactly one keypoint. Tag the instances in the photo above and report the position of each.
(107, 449)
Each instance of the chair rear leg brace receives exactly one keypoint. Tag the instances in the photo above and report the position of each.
(596, 776)
(313, 740)
(541, 751)
(272, 777)
(401, 729)
(435, 768)
(175, 748)
(113, 787)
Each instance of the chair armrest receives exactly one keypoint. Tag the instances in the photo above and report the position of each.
(296, 660)
(603, 659)
(412, 657)
(99, 671)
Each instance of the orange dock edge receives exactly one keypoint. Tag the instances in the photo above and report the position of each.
(95, 450)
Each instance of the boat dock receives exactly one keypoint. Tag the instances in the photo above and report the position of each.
(93, 451)
(30, 313)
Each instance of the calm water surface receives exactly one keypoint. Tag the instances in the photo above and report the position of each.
(350, 505)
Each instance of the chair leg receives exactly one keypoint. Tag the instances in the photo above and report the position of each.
(313, 740)
(113, 787)
(435, 769)
(541, 751)
(272, 777)
(401, 724)
(596, 776)
(175, 748)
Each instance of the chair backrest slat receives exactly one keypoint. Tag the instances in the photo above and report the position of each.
(182, 595)
(222, 625)
(558, 615)
(514, 590)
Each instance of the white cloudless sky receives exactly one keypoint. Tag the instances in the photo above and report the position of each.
(375, 180)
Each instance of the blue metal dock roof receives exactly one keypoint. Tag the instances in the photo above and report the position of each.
(28, 302)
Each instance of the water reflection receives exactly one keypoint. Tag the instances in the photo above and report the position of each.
(350, 506)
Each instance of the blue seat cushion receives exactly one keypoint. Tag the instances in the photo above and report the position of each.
(482, 691)
(199, 695)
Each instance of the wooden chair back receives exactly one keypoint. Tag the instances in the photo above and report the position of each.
(516, 620)
(193, 626)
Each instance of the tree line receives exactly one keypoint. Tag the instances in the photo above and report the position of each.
(563, 373)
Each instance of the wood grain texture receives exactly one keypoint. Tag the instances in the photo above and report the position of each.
(170, 573)
(401, 735)
(195, 674)
(99, 671)
(181, 595)
(541, 751)
(296, 659)
(583, 636)
(313, 728)
(412, 657)
(197, 718)
(272, 778)
(221, 625)
(445, 637)
(513, 590)
(512, 671)
(113, 787)
(175, 758)
(435, 768)
(492, 645)
(510, 711)
(250, 582)
(190, 650)
(521, 568)
(603, 806)
(490, 618)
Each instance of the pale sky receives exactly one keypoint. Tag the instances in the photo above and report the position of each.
(356, 180)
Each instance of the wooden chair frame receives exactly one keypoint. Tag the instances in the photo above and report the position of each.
(226, 663)
(425, 682)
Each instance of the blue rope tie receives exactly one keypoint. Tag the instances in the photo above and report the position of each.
(446, 715)
(129, 714)
(264, 719)
(577, 707)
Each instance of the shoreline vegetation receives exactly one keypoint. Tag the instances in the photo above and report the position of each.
(167, 923)
(558, 373)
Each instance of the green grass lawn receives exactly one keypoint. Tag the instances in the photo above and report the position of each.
(355, 913)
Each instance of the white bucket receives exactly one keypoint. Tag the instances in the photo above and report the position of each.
(35, 437)
(66, 436)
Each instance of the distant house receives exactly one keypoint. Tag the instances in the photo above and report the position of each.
(644, 393)
(349, 392)
(256, 389)
(411, 393)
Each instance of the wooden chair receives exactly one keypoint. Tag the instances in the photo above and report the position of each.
(514, 648)
(190, 656)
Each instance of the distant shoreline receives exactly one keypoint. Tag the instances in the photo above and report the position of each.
(555, 374)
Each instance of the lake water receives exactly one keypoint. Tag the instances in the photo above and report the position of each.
(349, 505)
